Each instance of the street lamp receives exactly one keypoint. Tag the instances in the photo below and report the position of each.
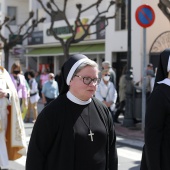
(128, 117)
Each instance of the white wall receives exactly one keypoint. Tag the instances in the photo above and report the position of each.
(136, 53)
(116, 41)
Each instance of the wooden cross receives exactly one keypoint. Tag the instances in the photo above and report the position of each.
(91, 135)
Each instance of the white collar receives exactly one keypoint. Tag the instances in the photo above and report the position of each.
(74, 99)
(165, 81)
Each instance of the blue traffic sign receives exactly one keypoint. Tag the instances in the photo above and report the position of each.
(145, 16)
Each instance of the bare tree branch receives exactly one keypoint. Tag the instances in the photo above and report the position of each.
(91, 6)
(78, 23)
(31, 14)
(43, 6)
(54, 34)
(56, 5)
(65, 4)
(163, 5)
(16, 37)
(30, 29)
(166, 3)
(9, 28)
(96, 20)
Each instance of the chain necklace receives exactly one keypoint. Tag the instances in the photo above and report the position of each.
(90, 131)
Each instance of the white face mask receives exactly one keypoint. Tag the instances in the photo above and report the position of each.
(106, 78)
(51, 81)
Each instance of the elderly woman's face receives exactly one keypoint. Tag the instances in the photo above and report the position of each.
(106, 76)
(79, 86)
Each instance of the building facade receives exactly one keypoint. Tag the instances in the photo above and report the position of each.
(19, 9)
(43, 50)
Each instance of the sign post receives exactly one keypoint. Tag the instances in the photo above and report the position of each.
(145, 17)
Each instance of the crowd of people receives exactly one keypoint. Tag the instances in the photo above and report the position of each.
(81, 105)
(19, 95)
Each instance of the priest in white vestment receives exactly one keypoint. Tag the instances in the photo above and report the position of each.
(12, 133)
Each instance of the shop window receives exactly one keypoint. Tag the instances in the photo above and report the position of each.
(12, 11)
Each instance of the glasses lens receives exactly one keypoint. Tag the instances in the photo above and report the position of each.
(87, 80)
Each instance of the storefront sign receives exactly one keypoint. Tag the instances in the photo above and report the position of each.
(65, 31)
(35, 38)
(59, 31)
(13, 38)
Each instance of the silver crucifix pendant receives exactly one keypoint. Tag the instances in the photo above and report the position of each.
(91, 135)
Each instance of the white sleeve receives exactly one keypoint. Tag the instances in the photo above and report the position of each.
(34, 87)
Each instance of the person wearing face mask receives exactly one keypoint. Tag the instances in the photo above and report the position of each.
(50, 90)
(19, 82)
(34, 96)
(106, 91)
(107, 65)
(12, 133)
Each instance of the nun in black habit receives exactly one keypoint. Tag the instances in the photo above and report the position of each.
(156, 151)
(75, 131)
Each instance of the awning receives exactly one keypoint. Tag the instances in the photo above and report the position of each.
(51, 51)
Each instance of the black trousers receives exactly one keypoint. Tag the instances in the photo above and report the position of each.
(119, 110)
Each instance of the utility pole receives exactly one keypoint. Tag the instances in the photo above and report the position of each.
(128, 117)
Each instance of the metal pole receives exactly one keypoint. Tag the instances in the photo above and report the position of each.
(129, 36)
(144, 79)
(128, 118)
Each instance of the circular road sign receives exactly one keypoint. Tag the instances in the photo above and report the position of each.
(145, 16)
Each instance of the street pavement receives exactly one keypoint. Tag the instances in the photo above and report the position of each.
(130, 136)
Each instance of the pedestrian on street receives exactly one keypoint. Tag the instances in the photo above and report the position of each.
(12, 133)
(44, 76)
(156, 151)
(122, 95)
(50, 90)
(107, 65)
(34, 97)
(106, 91)
(19, 82)
(75, 131)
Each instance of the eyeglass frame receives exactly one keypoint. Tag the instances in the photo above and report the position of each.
(91, 80)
